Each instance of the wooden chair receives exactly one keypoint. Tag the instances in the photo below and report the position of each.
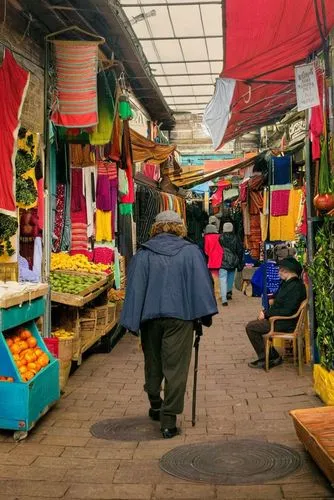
(297, 336)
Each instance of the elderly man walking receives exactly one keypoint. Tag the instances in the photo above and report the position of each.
(169, 287)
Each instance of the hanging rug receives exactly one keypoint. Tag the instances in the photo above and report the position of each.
(127, 429)
(231, 462)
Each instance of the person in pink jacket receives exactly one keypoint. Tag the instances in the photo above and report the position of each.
(214, 253)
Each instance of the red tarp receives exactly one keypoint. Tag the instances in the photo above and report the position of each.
(263, 43)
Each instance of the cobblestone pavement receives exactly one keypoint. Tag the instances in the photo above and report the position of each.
(60, 458)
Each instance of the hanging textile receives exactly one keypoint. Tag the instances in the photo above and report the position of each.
(316, 125)
(75, 100)
(280, 200)
(283, 228)
(89, 174)
(14, 82)
(103, 226)
(127, 163)
(79, 236)
(106, 108)
(59, 216)
(81, 155)
(264, 216)
(281, 170)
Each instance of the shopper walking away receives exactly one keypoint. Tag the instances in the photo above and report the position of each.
(287, 301)
(233, 258)
(214, 254)
(169, 287)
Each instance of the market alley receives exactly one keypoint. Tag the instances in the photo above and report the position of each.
(60, 458)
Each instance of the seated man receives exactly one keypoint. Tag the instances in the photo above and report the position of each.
(287, 301)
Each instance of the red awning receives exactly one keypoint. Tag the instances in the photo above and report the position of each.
(262, 45)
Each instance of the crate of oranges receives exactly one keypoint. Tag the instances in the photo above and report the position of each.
(28, 356)
(29, 377)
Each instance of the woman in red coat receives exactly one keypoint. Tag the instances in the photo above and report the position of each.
(214, 252)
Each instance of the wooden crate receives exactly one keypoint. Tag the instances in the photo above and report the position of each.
(315, 429)
(25, 296)
(9, 271)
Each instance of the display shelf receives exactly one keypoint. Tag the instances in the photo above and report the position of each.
(25, 296)
(22, 404)
(19, 314)
(69, 299)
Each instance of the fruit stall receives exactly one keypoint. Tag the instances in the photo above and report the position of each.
(29, 374)
(85, 306)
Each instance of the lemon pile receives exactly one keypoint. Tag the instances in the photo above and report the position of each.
(61, 333)
(79, 262)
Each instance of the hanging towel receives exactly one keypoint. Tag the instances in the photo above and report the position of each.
(280, 202)
(75, 100)
(106, 89)
(103, 226)
(282, 170)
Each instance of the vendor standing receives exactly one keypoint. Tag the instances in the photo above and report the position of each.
(169, 287)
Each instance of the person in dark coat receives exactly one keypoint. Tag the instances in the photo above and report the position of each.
(233, 257)
(290, 295)
(169, 287)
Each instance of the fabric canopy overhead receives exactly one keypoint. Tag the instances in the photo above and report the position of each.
(261, 49)
(145, 150)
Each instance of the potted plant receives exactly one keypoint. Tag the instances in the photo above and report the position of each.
(321, 272)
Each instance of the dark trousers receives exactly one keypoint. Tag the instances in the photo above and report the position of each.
(167, 346)
(255, 331)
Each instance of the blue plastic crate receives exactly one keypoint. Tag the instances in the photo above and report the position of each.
(17, 315)
(23, 403)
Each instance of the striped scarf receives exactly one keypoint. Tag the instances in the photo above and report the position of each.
(75, 100)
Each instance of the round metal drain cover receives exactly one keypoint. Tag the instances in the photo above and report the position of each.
(127, 429)
(231, 462)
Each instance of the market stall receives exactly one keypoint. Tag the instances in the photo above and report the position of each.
(29, 373)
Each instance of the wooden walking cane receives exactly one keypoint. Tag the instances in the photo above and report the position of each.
(198, 334)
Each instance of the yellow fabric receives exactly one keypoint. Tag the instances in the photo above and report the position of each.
(103, 226)
(143, 149)
(284, 227)
(23, 143)
(264, 219)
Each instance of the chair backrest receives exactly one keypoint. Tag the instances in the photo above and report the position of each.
(300, 327)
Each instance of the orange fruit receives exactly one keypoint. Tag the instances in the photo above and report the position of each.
(10, 379)
(44, 360)
(9, 342)
(25, 334)
(2, 379)
(38, 366)
(15, 349)
(32, 342)
(16, 339)
(31, 367)
(38, 351)
(28, 375)
(23, 345)
(23, 361)
(23, 369)
(16, 357)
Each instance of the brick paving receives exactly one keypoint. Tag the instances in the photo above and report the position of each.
(60, 458)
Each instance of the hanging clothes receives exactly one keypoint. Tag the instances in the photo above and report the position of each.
(90, 180)
(81, 155)
(59, 216)
(126, 163)
(284, 228)
(316, 125)
(106, 108)
(281, 170)
(280, 196)
(103, 226)
(14, 82)
(75, 101)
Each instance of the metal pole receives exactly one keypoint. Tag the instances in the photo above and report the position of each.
(47, 236)
(310, 236)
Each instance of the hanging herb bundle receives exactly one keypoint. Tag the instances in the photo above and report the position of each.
(26, 192)
(8, 228)
(322, 273)
(325, 176)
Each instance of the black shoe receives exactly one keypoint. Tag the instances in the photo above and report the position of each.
(225, 304)
(229, 295)
(154, 414)
(275, 362)
(169, 433)
(259, 363)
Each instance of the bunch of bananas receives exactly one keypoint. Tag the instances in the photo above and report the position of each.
(79, 262)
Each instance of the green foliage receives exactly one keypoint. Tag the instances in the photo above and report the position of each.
(8, 227)
(325, 176)
(322, 274)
